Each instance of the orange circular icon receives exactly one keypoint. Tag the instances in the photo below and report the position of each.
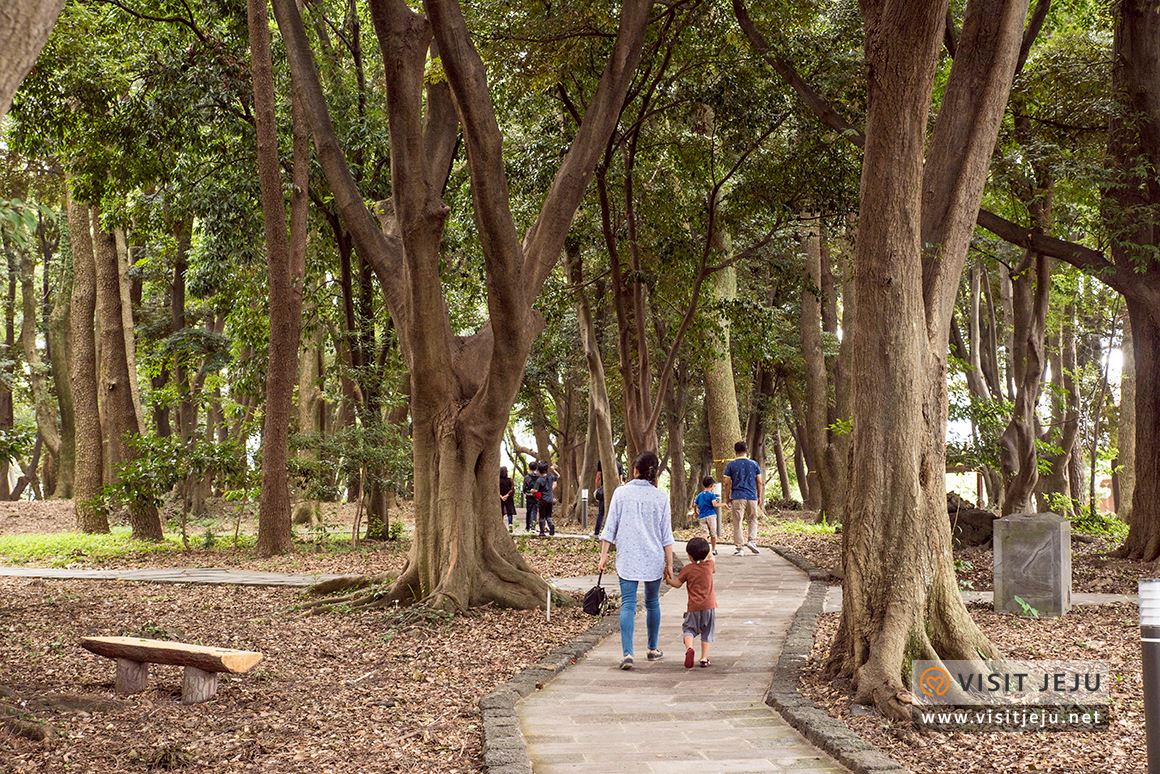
(934, 681)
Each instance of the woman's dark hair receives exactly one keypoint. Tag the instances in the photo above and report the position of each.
(503, 473)
(647, 466)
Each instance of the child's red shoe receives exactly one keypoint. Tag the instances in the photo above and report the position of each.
(689, 658)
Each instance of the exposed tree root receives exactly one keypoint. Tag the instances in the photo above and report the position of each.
(347, 583)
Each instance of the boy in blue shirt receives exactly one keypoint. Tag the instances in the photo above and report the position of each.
(707, 505)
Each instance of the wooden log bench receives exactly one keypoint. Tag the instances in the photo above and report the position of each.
(202, 663)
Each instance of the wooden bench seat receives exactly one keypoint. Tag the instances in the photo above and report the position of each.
(202, 663)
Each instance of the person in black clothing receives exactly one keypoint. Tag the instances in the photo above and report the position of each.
(507, 497)
(546, 486)
(531, 502)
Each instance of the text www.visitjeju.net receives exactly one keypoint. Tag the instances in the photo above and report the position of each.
(1039, 718)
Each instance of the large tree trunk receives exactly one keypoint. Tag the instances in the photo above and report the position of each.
(115, 382)
(24, 28)
(720, 389)
(1126, 476)
(1134, 144)
(57, 349)
(82, 363)
(816, 401)
(285, 262)
(1143, 541)
(917, 216)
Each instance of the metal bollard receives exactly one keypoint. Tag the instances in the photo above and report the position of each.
(1150, 655)
(584, 508)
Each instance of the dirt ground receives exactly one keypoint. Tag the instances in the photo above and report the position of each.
(1105, 633)
(374, 691)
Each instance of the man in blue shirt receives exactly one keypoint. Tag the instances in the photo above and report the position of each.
(743, 489)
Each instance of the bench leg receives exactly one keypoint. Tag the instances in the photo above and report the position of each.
(132, 676)
(198, 686)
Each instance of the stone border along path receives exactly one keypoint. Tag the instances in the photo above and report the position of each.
(828, 733)
(593, 717)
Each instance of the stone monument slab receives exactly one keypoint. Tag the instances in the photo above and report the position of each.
(1032, 553)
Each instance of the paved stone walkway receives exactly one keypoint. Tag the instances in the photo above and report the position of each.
(660, 717)
(833, 601)
(207, 575)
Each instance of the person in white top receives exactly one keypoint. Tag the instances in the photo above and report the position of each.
(640, 525)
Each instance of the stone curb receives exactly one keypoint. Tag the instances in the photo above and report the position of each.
(505, 751)
(811, 721)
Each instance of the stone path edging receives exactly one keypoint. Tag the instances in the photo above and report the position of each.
(815, 724)
(505, 751)
(811, 721)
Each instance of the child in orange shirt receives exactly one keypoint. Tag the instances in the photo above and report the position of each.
(701, 613)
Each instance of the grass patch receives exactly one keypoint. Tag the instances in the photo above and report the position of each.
(61, 548)
(799, 527)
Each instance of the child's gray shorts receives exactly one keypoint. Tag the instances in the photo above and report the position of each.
(700, 623)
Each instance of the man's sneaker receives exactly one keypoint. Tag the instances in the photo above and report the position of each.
(752, 547)
(656, 654)
(626, 662)
(689, 656)
(737, 552)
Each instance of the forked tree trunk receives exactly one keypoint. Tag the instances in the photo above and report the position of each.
(462, 388)
(917, 215)
(88, 466)
(115, 383)
(599, 403)
(1020, 459)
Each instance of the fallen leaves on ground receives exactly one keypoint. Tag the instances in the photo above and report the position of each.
(376, 691)
(1104, 633)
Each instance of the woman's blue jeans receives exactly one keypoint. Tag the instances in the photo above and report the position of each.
(652, 606)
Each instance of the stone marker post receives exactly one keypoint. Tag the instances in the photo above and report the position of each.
(1033, 561)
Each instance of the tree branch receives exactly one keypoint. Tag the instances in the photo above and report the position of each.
(1077, 255)
(385, 253)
